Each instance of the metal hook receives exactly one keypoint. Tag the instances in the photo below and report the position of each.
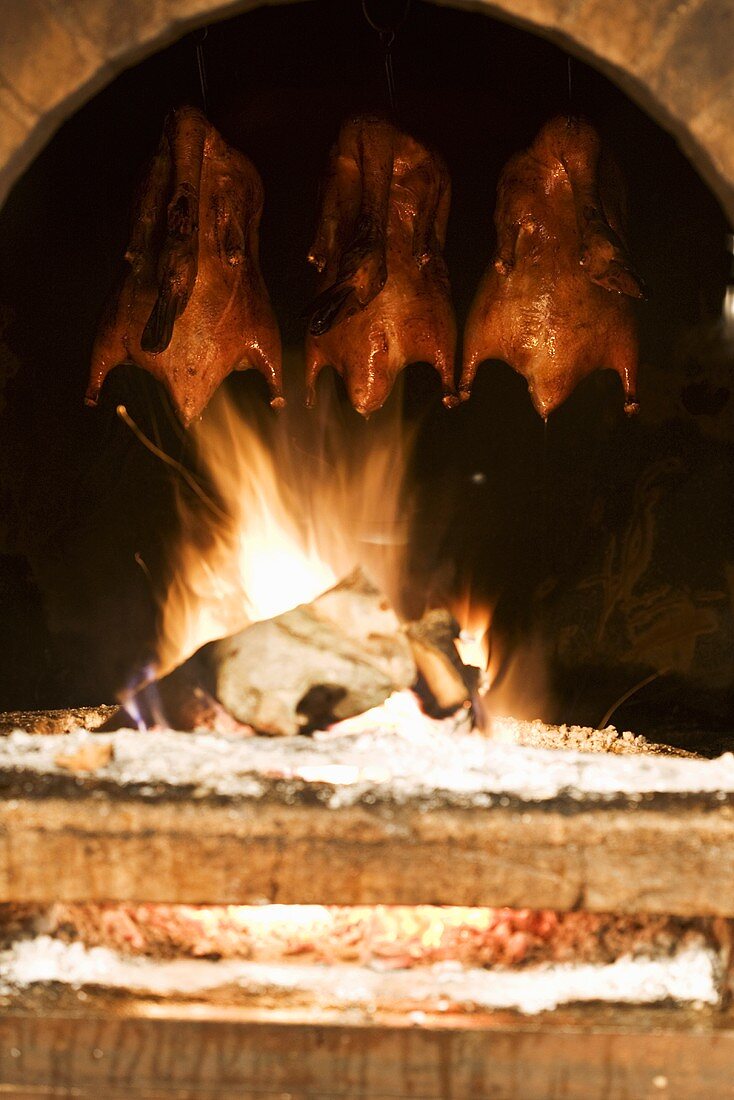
(387, 38)
(390, 28)
(202, 69)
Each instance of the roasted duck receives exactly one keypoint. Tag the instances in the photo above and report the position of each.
(556, 301)
(384, 299)
(193, 305)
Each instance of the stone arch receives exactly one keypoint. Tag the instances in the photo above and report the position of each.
(673, 57)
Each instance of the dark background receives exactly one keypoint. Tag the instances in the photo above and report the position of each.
(552, 532)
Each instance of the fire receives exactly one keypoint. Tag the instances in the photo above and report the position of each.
(285, 506)
(513, 682)
(475, 619)
(381, 936)
(292, 504)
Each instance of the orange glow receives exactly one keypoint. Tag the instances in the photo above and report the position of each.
(513, 683)
(385, 935)
(293, 503)
(518, 682)
(475, 619)
(284, 507)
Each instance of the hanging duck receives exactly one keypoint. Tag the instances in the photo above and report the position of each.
(556, 303)
(192, 306)
(383, 294)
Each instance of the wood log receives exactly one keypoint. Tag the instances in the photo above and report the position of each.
(450, 682)
(317, 664)
(123, 1050)
(447, 818)
(335, 657)
(338, 656)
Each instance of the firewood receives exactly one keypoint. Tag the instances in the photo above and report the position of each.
(336, 657)
(450, 682)
(333, 658)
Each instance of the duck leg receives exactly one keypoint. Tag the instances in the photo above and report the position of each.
(110, 347)
(603, 252)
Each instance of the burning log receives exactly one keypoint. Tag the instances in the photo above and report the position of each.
(336, 657)
(449, 680)
(319, 663)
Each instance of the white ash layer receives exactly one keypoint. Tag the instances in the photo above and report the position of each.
(687, 977)
(395, 753)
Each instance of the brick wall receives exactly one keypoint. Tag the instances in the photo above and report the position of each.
(673, 57)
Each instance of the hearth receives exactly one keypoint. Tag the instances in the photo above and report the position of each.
(366, 731)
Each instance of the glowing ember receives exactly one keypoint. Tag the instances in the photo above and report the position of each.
(381, 936)
(400, 713)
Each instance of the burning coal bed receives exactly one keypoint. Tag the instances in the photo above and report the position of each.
(362, 960)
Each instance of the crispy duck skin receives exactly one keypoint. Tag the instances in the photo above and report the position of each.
(193, 305)
(555, 303)
(383, 295)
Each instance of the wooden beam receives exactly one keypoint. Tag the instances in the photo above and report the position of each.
(69, 838)
(160, 1051)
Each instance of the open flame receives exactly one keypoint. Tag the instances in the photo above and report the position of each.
(285, 506)
(475, 618)
(292, 504)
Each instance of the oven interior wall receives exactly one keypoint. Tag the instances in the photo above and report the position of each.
(611, 541)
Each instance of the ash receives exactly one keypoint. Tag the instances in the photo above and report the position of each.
(394, 753)
(689, 976)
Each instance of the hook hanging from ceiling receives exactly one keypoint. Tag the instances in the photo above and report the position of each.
(387, 31)
(571, 111)
(201, 64)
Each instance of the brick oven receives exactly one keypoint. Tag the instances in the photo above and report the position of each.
(504, 871)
